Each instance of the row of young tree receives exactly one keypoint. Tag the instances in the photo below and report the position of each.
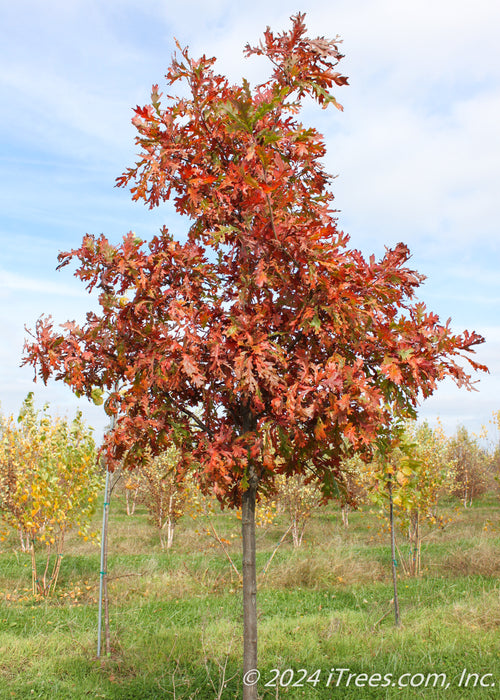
(50, 479)
(426, 469)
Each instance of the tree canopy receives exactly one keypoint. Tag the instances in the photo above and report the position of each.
(260, 331)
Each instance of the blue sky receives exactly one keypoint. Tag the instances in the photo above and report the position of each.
(416, 151)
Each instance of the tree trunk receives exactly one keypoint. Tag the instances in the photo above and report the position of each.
(417, 545)
(25, 540)
(34, 574)
(167, 540)
(131, 500)
(57, 565)
(103, 584)
(249, 591)
(393, 554)
(170, 522)
(413, 536)
(345, 516)
(295, 532)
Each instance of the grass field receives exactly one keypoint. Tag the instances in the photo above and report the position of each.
(176, 616)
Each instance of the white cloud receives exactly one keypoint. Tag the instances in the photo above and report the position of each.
(11, 284)
(473, 409)
(416, 175)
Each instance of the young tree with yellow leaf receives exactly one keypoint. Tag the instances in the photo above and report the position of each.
(473, 476)
(414, 473)
(163, 492)
(425, 472)
(49, 483)
(298, 497)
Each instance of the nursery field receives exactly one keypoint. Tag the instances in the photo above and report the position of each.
(326, 624)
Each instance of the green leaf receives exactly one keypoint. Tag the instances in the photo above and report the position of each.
(97, 396)
(315, 322)
(405, 354)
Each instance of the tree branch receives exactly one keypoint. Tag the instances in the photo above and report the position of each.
(193, 416)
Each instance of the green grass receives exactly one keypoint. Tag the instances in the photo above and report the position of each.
(176, 616)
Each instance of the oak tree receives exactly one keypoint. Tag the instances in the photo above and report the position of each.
(259, 320)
